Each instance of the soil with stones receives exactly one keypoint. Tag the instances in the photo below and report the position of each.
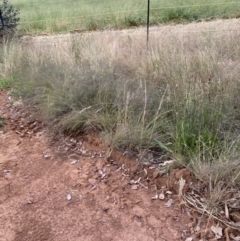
(67, 189)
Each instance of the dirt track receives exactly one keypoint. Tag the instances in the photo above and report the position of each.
(215, 28)
(38, 176)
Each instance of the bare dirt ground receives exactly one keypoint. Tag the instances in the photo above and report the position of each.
(66, 189)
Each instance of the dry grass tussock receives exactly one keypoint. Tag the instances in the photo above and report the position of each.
(182, 96)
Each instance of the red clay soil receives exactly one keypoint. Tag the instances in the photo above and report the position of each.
(68, 190)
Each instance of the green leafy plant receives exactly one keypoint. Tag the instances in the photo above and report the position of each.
(9, 20)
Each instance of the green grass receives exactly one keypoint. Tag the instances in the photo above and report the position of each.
(5, 83)
(52, 16)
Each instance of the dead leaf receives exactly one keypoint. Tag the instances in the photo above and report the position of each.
(139, 179)
(132, 182)
(217, 231)
(143, 185)
(19, 142)
(226, 211)
(235, 216)
(189, 239)
(135, 182)
(197, 228)
(94, 187)
(73, 141)
(169, 203)
(181, 186)
(155, 174)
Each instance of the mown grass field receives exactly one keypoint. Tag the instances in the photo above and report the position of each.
(55, 16)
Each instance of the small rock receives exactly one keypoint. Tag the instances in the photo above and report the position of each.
(155, 197)
(134, 187)
(161, 196)
(46, 156)
(74, 162)
(69, 197)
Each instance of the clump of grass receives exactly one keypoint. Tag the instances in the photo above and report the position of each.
(220, 182)
(5, 83)
(2, 122)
